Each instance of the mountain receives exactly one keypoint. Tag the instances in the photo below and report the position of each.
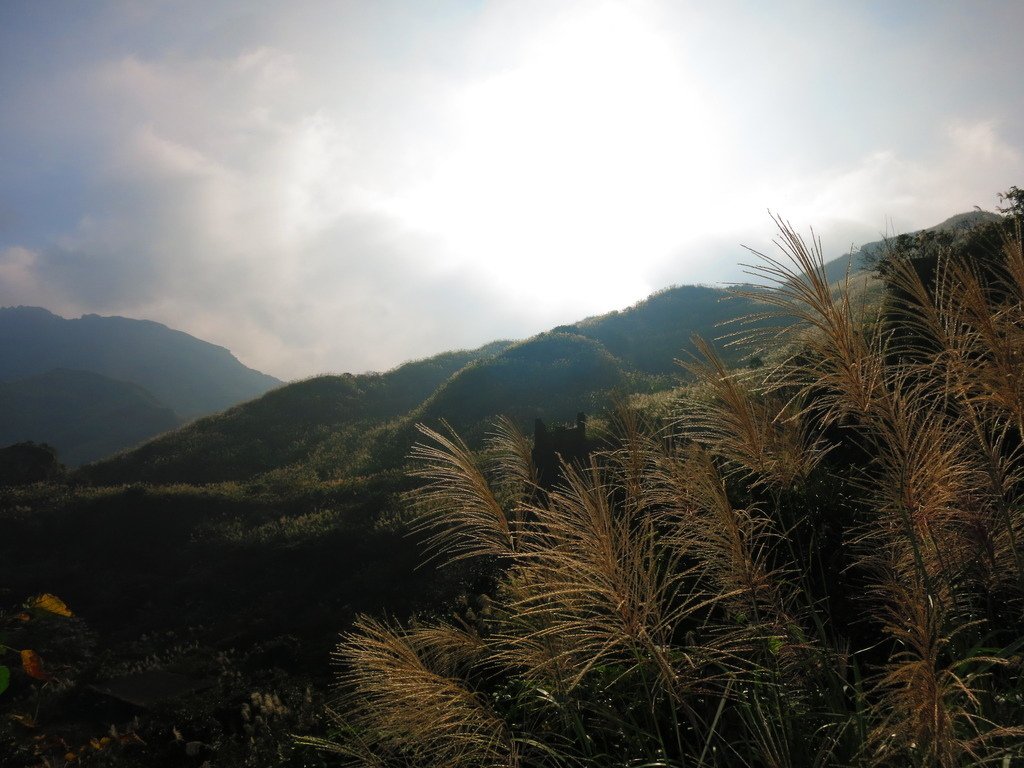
(864, 257)
(84, 415)
(333, 427)
(187, 375)
(649, 336)
(319, 421)
(343, 426)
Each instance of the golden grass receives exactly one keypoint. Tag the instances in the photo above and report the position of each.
(664, 604)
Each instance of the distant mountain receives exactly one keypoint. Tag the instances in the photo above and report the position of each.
(84, 415)
(189, 376)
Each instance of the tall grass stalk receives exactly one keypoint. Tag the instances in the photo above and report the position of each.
(822, 567)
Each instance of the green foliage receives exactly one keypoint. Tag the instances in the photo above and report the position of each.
(319, 421)
(1014, 199)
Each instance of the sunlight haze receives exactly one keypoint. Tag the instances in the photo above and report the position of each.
(326, 187)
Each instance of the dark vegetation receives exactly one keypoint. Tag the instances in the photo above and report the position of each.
(742, 616)
(28, 463)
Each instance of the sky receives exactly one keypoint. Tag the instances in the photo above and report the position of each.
(344, 186)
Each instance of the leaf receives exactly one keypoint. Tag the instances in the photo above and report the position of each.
(33, 665)
(23, 617)
(51, 604)
(5, 678)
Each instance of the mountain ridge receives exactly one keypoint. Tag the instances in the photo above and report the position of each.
(191, 376)
(162, 377)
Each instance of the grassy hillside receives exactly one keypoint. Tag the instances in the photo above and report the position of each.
(292, 425)
(231, 552)
(651, 335)
(333, 426)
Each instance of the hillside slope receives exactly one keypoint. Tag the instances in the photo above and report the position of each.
(84, 415)
(313, 421)
(865, 255)
(333, 426)
(190, 376)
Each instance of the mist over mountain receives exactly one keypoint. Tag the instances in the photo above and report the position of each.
(868, 253)
(186, 374)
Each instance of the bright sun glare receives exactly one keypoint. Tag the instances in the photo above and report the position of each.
(578, 164)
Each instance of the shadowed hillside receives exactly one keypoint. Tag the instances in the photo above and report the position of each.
(85, 415)
(651, 335)
(334, 426)
(288, 426)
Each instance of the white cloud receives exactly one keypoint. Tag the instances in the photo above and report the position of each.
(17, 274)
(327, 188)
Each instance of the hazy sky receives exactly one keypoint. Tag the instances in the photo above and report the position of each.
(342, 186)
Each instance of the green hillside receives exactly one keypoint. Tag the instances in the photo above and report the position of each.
(651, 335)
(335, 426)
(291, 425)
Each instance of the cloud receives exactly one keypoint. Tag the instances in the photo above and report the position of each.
(343, 188)
(18, 273)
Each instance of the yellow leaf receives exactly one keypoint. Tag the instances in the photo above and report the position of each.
(33, 665)
(51, 604)
(70, 757)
